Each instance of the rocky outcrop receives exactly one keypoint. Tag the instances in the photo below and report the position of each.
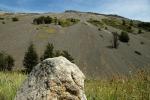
(53, 79)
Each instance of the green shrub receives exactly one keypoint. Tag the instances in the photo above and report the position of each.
(129, 28)
(6, 62)
(9, 62)
(124, 37)
(144, 25)
(1, 18)
(43, 20)
(137, 52)
(139, 31)
(2, 61)
(131, 23)
(141, 42)
(123, 22)
(3, 22)
(55, 20)
(14, 19)
(99, 29)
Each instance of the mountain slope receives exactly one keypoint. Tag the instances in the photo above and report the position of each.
(90, 47)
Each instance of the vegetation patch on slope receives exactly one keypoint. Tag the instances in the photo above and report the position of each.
(144, 25)
(67, 22)
(95, 22)
(49, 20)
(42, 20)
(50, 30)
(45, 32)
(42, 36)
(15, 19)
(117, 24)
(1, 18)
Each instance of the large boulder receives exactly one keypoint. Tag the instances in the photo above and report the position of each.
(53, 79)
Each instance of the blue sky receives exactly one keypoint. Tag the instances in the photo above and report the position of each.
(134, 9)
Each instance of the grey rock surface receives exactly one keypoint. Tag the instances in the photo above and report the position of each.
(53, 79)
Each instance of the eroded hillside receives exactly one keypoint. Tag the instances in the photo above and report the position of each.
(89, 41)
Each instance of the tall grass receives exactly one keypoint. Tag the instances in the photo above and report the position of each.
(134, 87)
(9, 83)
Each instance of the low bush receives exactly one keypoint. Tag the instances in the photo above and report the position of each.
(1, 18)
(123, 22)
(141, 42)
(124, 37)
(14, 19)
(139, 31)
(99, 29)
(137, 52)
(131, 23)
(3, 22)
(144, 25)
(43, 20)
(6, 62)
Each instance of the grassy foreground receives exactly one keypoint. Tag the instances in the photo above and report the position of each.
(9, 83)
(135, 87)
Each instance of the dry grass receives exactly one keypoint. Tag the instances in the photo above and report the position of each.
(135, 87)
(45, 32)
(51, 30)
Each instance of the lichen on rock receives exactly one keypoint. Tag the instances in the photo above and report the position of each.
(53, 79)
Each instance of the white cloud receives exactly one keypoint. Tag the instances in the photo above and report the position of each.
(136, 9)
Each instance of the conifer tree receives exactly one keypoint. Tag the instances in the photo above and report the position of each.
(30, 58)
(48, 53)
(68, 56)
